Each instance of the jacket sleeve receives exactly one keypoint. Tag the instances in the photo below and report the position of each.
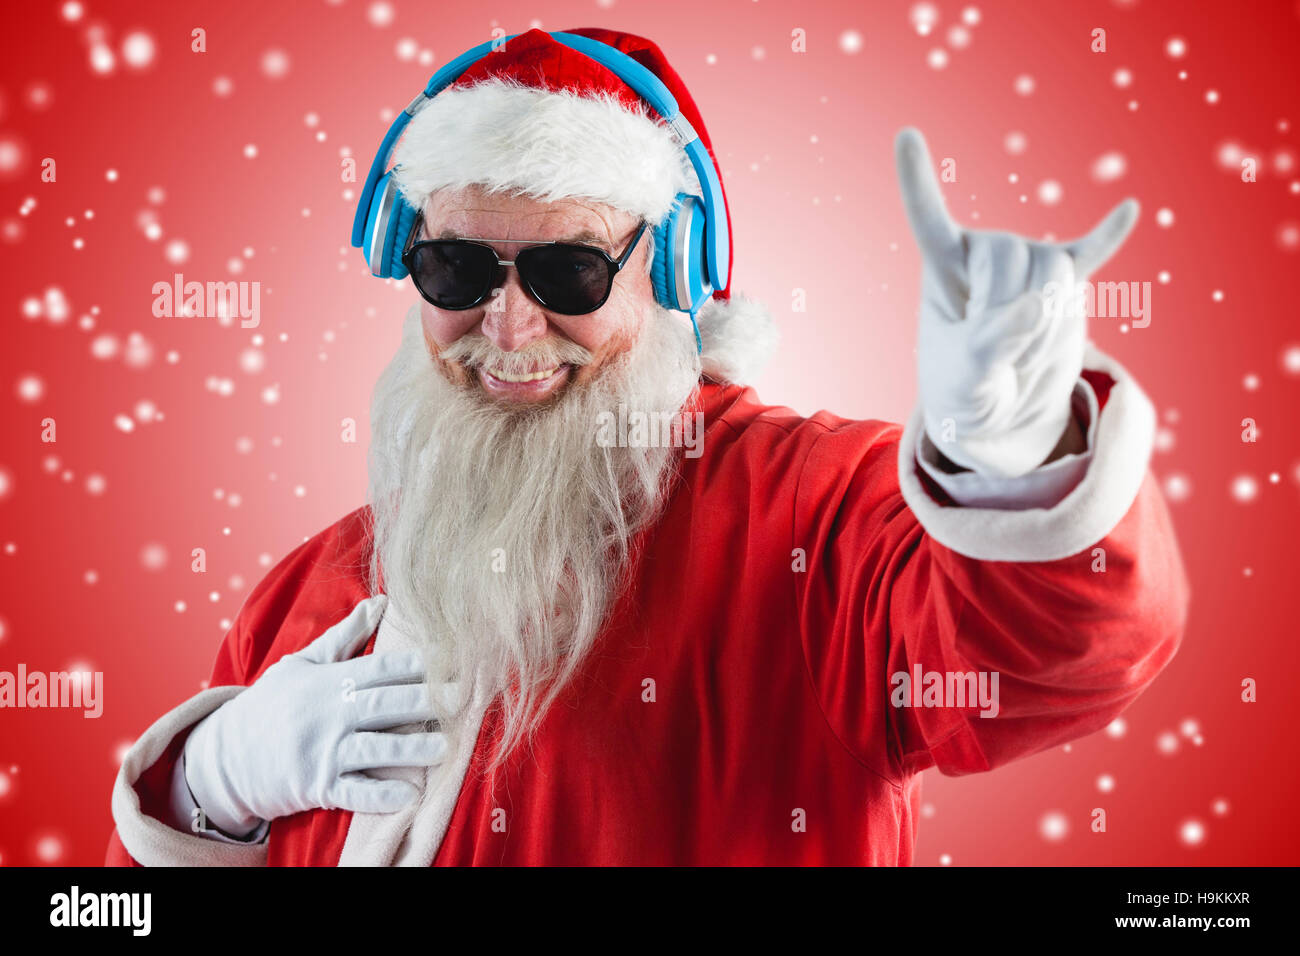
(143, 788)
(1066, 613)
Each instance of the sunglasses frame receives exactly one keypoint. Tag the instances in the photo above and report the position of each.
(615, 266)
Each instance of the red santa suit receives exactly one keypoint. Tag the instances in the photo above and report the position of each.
(799, 564)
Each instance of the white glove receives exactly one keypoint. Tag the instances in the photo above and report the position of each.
(996, 365)
(301, 736)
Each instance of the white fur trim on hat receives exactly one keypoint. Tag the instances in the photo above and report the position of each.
(739, 339)
(1125, 434)
(546, 144)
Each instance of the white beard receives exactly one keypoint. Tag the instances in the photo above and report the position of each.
(502, 533)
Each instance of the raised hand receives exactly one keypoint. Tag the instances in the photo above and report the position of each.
(996, 365)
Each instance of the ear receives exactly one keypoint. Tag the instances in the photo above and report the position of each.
(738, 338)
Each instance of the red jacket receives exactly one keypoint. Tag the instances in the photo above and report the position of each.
(772, 739)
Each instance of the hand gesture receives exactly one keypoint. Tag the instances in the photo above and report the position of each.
(996, 365)
(303, 735)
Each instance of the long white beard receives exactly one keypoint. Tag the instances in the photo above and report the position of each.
(502, 533)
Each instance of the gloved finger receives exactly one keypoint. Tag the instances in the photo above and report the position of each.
(1006, 331)
(382, 707)
(1096, 247)
(367, 751)
(388, 667)
(1062, 336)
(355, 791)
(945, 293)
(937, 235)
(349, 635)
(1041, 385)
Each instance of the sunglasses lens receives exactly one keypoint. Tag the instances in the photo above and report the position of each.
(452, 275)
(566, 279)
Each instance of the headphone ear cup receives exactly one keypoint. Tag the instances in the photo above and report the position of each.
(679, 273)
(406, 217)
(663, 254)
(388, 225)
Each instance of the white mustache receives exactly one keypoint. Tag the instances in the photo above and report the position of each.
(475, 349)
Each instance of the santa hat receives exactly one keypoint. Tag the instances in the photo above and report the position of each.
(540, 119)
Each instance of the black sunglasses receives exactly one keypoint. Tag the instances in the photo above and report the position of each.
(458, 274)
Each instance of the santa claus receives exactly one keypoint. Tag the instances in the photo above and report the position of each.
(604, 605)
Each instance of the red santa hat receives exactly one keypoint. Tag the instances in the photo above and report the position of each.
(540, 119)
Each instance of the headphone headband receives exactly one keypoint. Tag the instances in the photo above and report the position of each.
(643, 82)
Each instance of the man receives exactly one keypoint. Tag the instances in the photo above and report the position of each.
(601, 641)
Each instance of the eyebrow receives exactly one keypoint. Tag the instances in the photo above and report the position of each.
(586, 237)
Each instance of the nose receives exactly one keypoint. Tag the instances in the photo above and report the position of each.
(513, 318)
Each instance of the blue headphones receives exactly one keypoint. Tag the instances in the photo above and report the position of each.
(691, 245)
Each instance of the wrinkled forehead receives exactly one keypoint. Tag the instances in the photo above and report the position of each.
(475, 213)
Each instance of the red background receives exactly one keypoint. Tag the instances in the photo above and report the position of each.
(805, 145)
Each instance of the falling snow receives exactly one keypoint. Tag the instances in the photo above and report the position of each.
(1244, 488)
(1053, 826)
(1109, 167)
(138, 50)
(275, 63)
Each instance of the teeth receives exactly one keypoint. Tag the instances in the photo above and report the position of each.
(528, 377)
